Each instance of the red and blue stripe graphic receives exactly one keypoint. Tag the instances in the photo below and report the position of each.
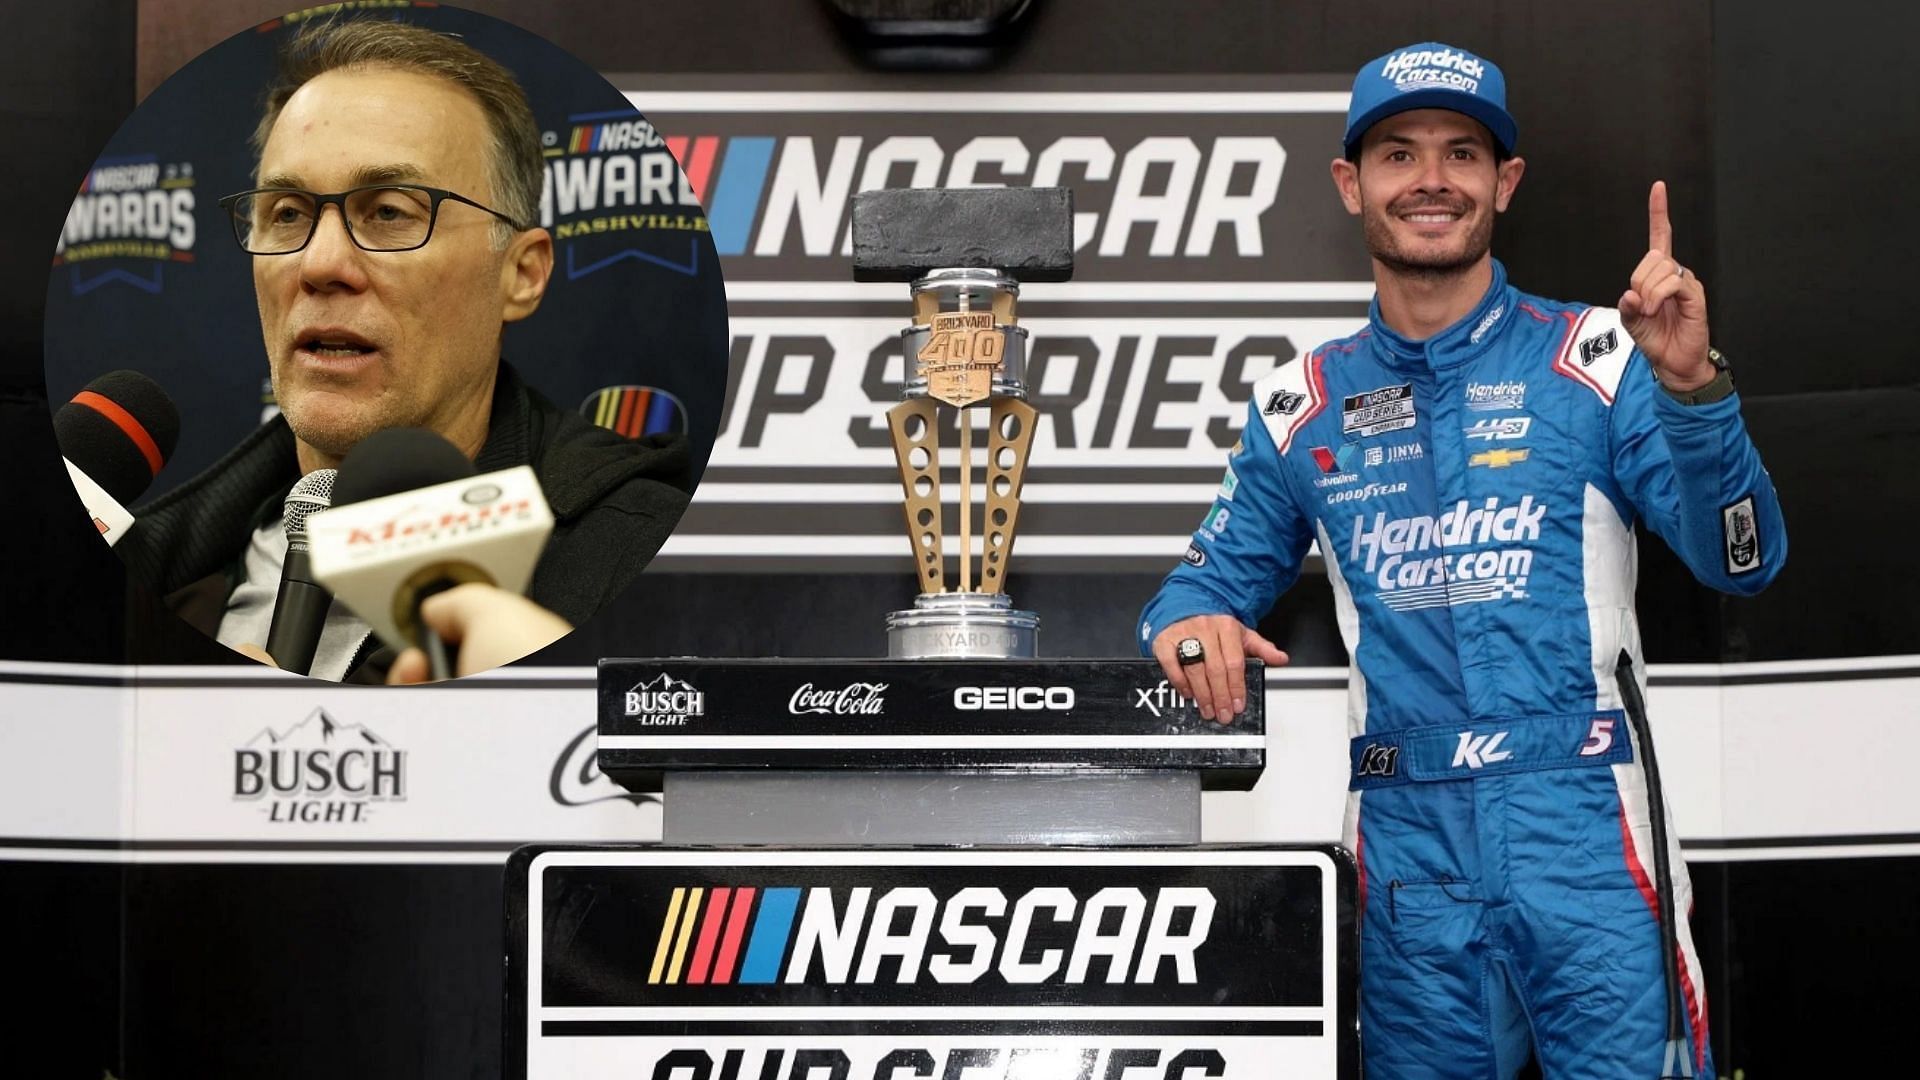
(728, 174)
(732, 194)
(705, 930)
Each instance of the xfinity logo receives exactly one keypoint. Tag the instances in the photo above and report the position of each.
(1014, 698)
(1475, 751)
(854, 699)
(1160, 699)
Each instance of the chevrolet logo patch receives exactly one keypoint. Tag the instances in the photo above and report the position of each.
(1497, 459)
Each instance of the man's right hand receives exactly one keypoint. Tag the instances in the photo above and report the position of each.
(1218, 685)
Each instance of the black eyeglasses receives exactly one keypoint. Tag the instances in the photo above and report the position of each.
(383, 217)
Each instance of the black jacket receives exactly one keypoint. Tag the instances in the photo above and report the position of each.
(614, 502)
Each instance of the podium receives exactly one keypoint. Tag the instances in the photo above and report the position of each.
(949, 869)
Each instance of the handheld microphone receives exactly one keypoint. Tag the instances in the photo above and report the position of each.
(115, 436)
(410, 519)
(300, 608)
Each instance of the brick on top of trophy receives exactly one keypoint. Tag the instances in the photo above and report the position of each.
(901, 233)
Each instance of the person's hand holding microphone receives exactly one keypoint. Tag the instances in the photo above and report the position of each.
(490, 625)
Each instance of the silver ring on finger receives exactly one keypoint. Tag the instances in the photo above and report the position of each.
(1191, 652)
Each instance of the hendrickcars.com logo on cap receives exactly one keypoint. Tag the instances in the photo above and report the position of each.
(1430, 76)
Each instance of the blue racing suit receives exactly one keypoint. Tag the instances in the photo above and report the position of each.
(1474, 497)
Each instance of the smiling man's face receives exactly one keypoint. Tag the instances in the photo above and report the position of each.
(358, 341)
(1426, 186)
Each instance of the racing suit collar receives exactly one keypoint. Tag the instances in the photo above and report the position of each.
(1474, 334)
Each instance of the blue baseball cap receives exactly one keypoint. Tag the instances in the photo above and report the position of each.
(1430, 76)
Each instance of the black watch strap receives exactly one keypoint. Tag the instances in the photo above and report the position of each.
(1719, 389)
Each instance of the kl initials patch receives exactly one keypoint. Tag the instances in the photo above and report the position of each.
(1741, 531)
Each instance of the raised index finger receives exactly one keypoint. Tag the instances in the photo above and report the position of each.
(1659, 229)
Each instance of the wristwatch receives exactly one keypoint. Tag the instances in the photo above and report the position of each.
(1720, 387)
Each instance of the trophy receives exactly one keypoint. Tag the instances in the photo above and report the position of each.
(965, 253)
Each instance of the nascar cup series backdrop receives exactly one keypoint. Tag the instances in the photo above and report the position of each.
(211, 903)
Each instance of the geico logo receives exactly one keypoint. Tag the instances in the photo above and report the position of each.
(1119, 931)
(1031, 698)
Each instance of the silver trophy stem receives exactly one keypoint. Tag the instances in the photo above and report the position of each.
(963, 626)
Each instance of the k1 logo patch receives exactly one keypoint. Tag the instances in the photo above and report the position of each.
(1594, 348)
(1283, 403)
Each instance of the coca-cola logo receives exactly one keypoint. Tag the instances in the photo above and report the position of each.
(854, 699)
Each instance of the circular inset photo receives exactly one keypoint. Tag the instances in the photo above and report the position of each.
(386, 346)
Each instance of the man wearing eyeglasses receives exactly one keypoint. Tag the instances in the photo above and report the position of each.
(392, 232)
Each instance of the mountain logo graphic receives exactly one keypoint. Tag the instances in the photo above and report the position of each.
(664, 701)
(319, 770)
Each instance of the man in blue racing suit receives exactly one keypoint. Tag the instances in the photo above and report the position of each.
(1472, 464)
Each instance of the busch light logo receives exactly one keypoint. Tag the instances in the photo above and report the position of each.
(664, 702)
(1390, 551)
(319, 770)
(854, 699)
